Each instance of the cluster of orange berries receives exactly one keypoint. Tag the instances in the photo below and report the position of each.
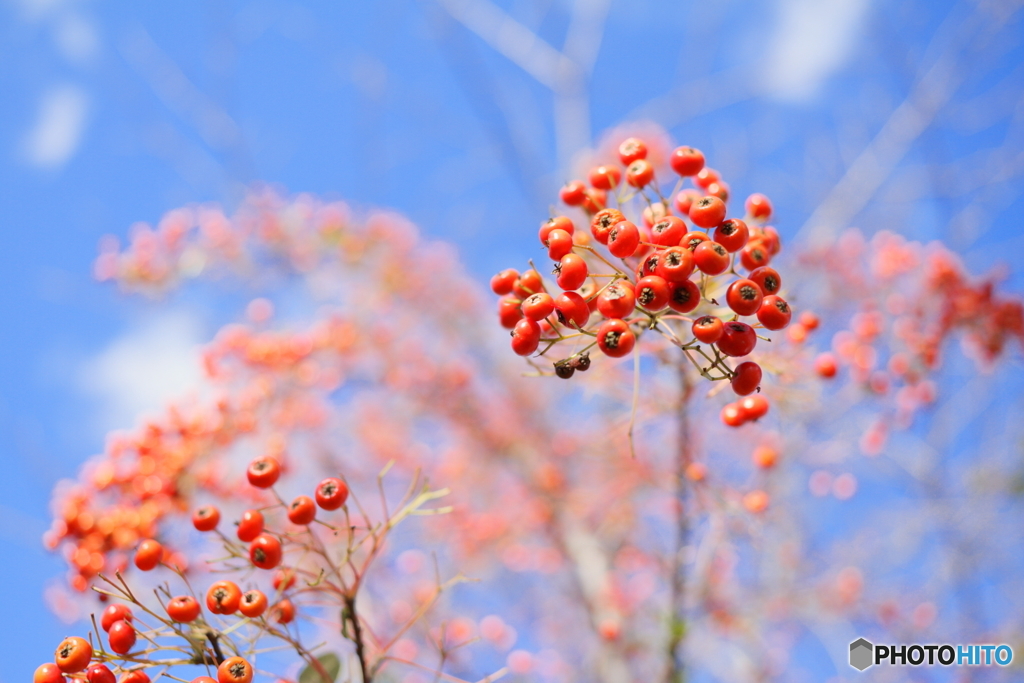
(660, 266)
(265, 551)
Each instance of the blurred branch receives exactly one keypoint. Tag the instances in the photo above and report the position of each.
(214, 125)
(927, 97)
(510, 38)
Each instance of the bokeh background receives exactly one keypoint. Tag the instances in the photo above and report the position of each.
(465, 115)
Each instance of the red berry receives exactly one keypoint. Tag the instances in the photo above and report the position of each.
(684, 296)
(675, 264)
(49, 673)
(183, 609)
(632, 149)
(572, 309)
(732, 234)
(114, 613)
(768, 237)
(754, 407)
(503, 282)
(605, 177)
(204, 679)
(135, 676)
(707, 212)
(774, 313)
(121, 637)
(693, 239)
(602, 223)
(234, 670)
(711, 258)
(525, 337)
(767, 279)
(527, 284)
(331, 493)
(206, 518)
(705, 177)
(653, 213)
(686, 161)
(573, 193)
(73, 654)
(559, 243)
(510, 312)
(639, 173)
(538, 306)
(623, 239)
(825, 365)
(758, 207)
(265, 551)
(283, 612)
(148, 555)
(652, 293)
(302, 511)
(253, 604)
(649, 266)
(809, 320)
(747, 378)
(738, 339)
(617, 300)
(223, 597)
(744, 297)
(557, 223)
(615, 338)
(264, 472)
(732, 415)
(571, 272)
(96, 673)
(250, 526)
(754, 255)
(668, 231)
(684, 200)
(708, 329)
(284, 579)
(719, 189)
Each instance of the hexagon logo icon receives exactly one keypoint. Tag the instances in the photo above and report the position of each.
(861, 652)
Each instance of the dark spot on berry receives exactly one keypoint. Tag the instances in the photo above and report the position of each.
(748, 293)
(782, 306)
(611, 339)
(645, 296)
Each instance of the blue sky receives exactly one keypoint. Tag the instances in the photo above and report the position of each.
(116, 112)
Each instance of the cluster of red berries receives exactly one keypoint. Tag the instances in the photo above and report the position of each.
(75, 657)
(661, 267)
(265, 551)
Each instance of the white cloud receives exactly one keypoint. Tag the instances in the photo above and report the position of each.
(76, 38)
(153, 364)
(58, 128)
(812, 39)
